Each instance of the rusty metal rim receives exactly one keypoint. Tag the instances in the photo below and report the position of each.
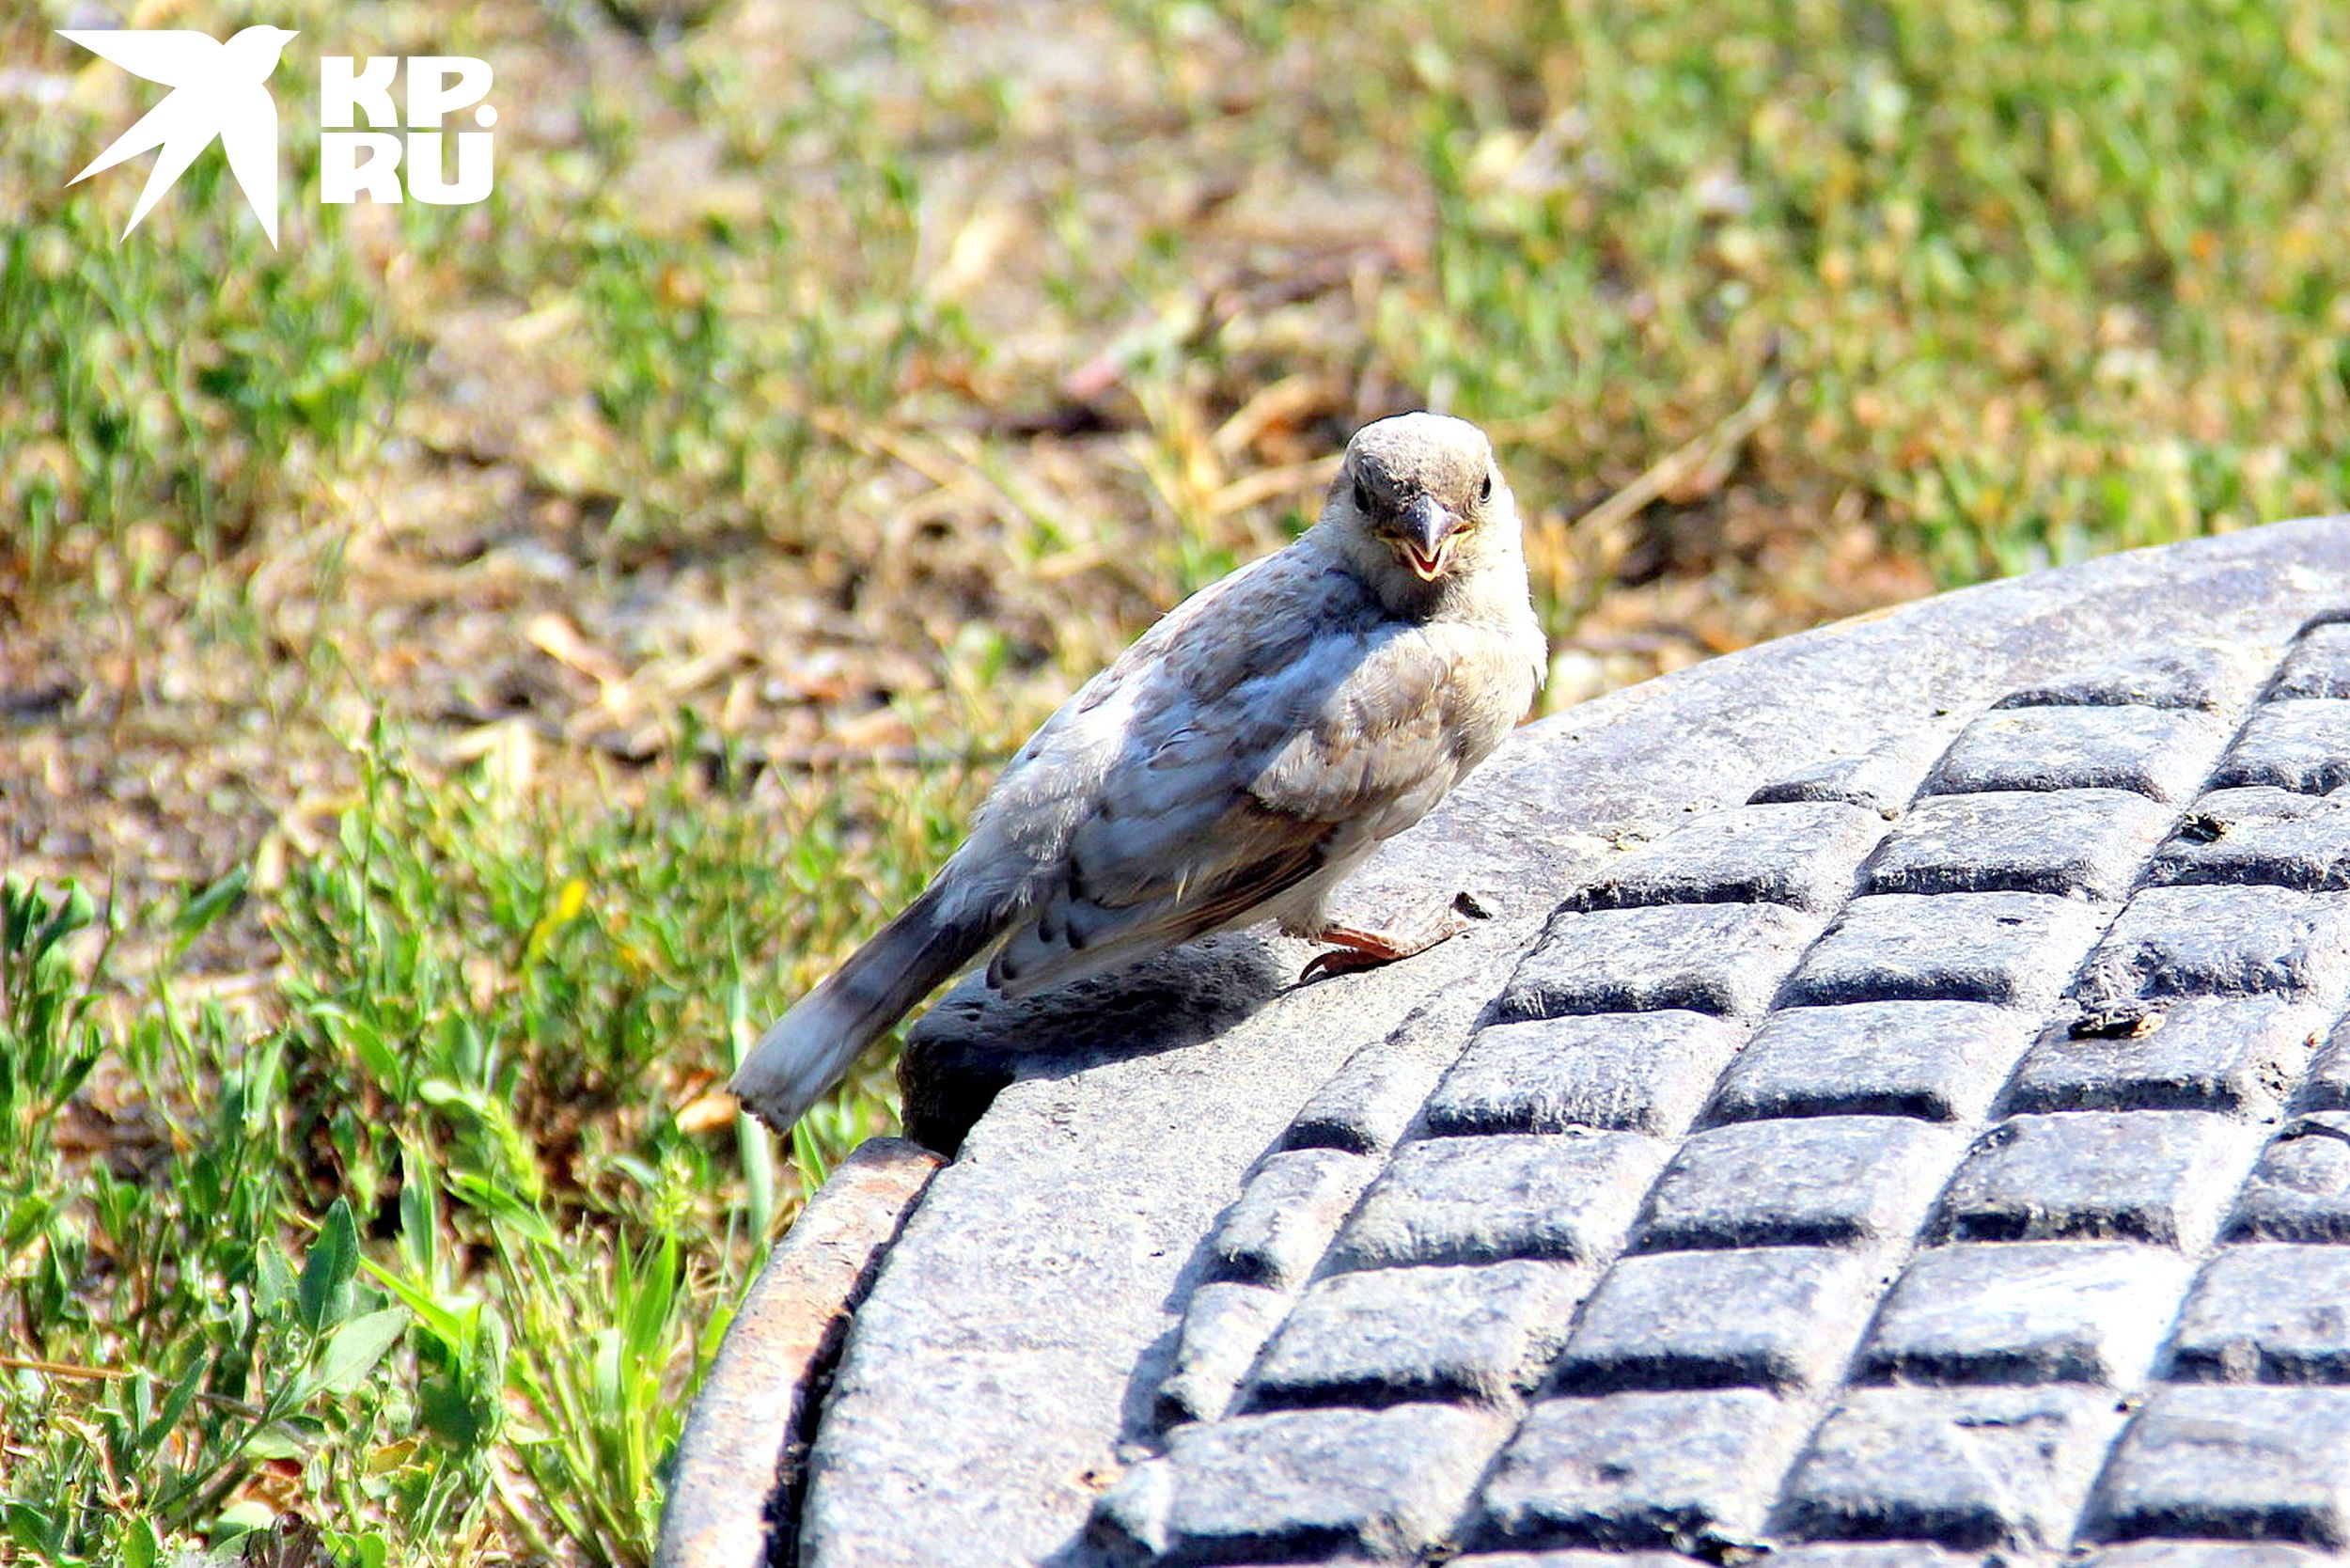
(743, 1455)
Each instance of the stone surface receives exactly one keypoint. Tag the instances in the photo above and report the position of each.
(2151, 1176)
(1368, 1103)
(1721, 958)
(1291, 1208)
(2261, 835)
(1972, 1467)
(1881, 778)
(2318, 663)
(2013, 949)
(2242, 1464)
(2213, 677)
(1636, 1073)
(1938, 1062)
(2267, 1314)
(1224, 1330)
(2203, 1554)
(2026, 1312)
(2224, 942)
(2241, 1056)
(1384, 1482)
(2297, 743)
(1569, 1557)
(1873, 1554)
(2160, 753)
(1828, 1180)
(1799, 853)
(770, 1373)
(1771, 1317)
(2300, 1189)
(1389, 1335)
(1472, 1200)
(1047, 1369)
(2327, 1086)
(1646, 1469)
(2085, 842)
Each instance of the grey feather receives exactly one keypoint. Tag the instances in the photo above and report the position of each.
(811, 1048)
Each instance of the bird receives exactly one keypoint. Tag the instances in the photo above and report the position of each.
(1232, 765)
(219, 89)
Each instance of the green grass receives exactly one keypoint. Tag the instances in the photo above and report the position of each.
(370, 1163)
(2048, 278)
(437, 1240)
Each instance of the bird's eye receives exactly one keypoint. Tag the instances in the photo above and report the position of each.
(1362, 494)
(1485, 491)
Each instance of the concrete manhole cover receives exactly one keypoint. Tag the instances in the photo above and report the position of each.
(1896, 1103)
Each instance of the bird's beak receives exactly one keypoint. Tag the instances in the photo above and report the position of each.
(1425, 531)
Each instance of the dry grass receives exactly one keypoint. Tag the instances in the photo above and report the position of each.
(560, 629)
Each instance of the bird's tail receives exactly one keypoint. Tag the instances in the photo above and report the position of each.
(809, 1048)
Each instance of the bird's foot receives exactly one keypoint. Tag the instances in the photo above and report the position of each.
(1354, 947)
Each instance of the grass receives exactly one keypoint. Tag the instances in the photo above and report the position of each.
(443, 1237)
(460, 672)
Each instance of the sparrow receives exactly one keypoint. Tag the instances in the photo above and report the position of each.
(1233, 765)
(220, 89)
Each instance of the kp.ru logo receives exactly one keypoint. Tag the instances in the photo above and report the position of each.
(221, 90)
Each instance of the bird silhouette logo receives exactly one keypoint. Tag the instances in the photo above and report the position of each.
(218, 90)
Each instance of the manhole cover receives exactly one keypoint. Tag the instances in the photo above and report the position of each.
(1895, 1103)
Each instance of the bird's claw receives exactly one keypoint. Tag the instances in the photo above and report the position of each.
(1354, 949)
(1339, 961)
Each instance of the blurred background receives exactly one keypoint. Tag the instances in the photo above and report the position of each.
(463, 669)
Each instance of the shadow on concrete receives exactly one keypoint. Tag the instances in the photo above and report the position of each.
(976, 1043)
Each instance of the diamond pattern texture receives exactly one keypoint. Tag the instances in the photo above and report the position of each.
(1933, 1157)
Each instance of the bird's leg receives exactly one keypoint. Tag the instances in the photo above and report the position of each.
(1354, 947)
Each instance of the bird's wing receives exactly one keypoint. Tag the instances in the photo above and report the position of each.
(1227, 864)
(1271, 728)
(248, 134)
(172, 56)
(1389, 739)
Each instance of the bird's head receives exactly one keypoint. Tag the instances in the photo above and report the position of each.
(1424, 490)
(260, 42)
